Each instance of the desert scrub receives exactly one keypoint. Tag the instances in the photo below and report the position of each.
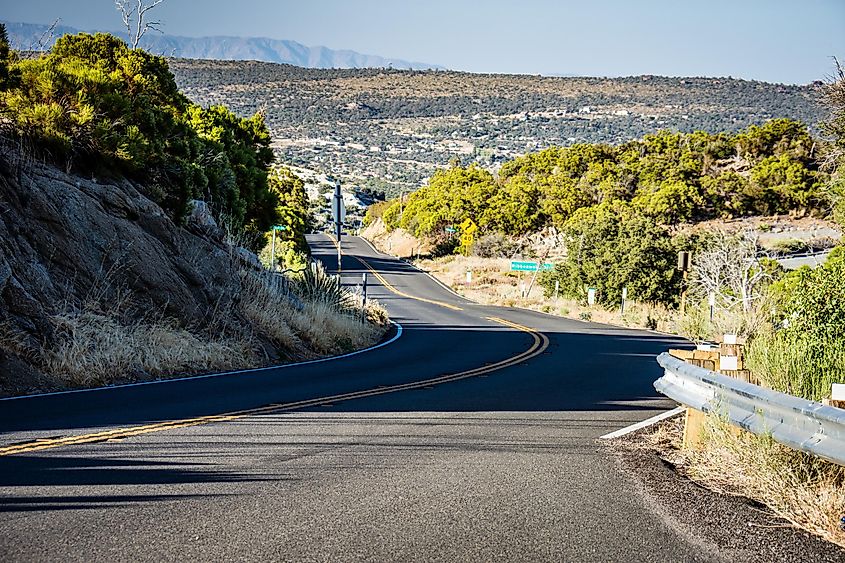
(801, 488)
(309, 315)
(93, 348)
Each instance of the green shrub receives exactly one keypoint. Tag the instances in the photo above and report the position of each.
(92, 104)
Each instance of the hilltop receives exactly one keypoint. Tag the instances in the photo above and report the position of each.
(26, 36)
(391, 129)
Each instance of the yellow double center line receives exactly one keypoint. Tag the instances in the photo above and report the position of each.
(539, 345)
(390, 286)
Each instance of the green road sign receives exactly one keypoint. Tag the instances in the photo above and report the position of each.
(529, 266)
(280, 228)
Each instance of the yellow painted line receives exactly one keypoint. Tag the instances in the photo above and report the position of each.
(391, 288)
(538, 346)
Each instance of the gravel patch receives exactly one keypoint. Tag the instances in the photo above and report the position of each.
(738, 528)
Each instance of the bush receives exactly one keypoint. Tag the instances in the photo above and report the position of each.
(92, 104)
(609, 247)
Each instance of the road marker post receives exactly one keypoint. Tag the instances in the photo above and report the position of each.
(624, 298)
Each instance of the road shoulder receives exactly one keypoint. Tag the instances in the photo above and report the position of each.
(737, 528)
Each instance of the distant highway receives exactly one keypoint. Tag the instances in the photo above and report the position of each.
(470, 437)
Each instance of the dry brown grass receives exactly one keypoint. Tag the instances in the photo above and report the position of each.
(800, 488)
(306, 328)
(97, 345)
(96, 349)
(494, 284)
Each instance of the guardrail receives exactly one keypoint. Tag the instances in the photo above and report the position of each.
(800, 424)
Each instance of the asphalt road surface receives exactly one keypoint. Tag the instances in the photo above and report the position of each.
(470, 437)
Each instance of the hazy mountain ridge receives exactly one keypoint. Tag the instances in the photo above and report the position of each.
(26, 36)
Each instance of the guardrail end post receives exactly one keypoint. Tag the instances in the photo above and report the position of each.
(693, 428)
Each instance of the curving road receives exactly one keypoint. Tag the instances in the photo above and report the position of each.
(470, 437)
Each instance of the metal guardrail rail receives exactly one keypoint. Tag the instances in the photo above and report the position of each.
(798, 423)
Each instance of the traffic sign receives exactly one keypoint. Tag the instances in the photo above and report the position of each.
(280, 228)
(338, 210)
(451, 230)
(530, 266)
(468, 226)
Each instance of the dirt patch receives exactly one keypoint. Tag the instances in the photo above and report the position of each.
(740, 529)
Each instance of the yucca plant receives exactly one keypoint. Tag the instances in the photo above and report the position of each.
(316, 285)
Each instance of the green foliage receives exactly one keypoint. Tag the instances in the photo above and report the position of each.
(806, 356)
(94, 104)
(611, 246)
(375, 212)
(292, 213)
(671, 177)
(9, 77)
(450, 197)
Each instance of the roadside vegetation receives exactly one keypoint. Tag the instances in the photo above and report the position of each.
(94, 108)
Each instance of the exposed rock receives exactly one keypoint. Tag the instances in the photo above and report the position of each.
(201, 215)
(66, 241)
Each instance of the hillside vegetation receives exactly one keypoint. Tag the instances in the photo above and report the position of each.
(392, 129)
(124, 212)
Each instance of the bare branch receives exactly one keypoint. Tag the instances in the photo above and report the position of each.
(134, 16)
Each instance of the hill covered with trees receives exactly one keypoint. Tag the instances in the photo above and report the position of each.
(616, 206)
(392, 129)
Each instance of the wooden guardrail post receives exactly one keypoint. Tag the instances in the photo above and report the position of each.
(728, 359)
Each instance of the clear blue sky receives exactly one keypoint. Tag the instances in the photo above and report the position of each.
(772, 40)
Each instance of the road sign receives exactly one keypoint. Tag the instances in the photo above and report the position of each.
(591, 296)
(451, 230)
(280, 228)
(338, 210)
(530, 266)
(466, 242)
(468, 226)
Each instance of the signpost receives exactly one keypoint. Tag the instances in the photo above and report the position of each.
(624, 298)
(338, 216)
(591, 296)
(273, 245)
(530, 266)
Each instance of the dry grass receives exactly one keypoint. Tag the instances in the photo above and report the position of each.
(494, 284)
(95, 349)
(305, 328)
(800, 488)
(97, 345)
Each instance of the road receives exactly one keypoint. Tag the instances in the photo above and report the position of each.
(364, 458)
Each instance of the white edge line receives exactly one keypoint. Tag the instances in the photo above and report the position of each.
(210, 375)
(643, 424)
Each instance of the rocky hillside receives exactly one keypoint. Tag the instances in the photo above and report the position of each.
(390, 129)
(98, 285)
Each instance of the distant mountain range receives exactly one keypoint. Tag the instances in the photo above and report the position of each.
(27, 36)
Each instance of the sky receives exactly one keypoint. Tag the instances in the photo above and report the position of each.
(771, 40)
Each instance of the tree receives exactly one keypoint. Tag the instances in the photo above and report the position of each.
(134, 16)
(9, 76)
(834, 150)
(729, 266)
(610, 246)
